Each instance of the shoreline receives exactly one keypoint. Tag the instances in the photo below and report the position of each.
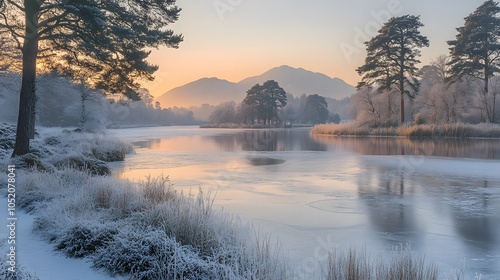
(242, 126)
(424, 131)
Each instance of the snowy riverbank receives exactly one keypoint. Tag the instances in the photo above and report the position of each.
(144, 230)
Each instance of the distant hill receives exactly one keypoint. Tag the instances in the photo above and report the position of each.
(204, 91)
(296, 81)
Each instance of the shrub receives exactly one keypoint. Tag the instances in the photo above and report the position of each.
(30, 161)
(110, 149)
(151, 254)
(81, 241)
(90, 165)
(7, 136)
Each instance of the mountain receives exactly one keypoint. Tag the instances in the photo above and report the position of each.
(296, 81)
(204, 91)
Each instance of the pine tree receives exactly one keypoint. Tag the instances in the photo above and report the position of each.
(109, 38)
(392, 56)
(315, 109)
(265, 100)
(476, 50)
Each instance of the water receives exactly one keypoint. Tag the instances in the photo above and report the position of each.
(313, 193)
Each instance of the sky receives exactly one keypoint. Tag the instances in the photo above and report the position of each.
(236, 39)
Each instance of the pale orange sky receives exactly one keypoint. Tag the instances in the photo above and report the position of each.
(235, 39)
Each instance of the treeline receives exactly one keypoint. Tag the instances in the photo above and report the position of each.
(270, 105)
(64, 103)
(459, 87)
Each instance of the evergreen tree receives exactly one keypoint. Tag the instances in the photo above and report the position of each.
(265, 101)
(476, 50)
(315, 109)
(110, 38)
(392, 56)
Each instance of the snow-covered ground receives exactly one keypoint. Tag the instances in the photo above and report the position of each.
(41, 260)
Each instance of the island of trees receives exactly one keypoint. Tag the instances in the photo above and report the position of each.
(269, 105)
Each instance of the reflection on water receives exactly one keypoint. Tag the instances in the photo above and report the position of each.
(311, 185)
(395, 202)
(258, 161)
(462, 148)
(249, 140)
(389, 202)
(300, 140)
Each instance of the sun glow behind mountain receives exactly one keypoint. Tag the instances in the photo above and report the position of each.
(233, 40)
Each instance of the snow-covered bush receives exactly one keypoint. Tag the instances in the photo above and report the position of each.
(30, 161)
(110, 150)
(19, 274)
(7, 138)
(152, 254)
(93, 166)
(146, 230)
(81, 241)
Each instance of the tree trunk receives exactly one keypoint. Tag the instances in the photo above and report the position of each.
(83, 99)
(402, 79)
(402, 90)
(26, 118)
(486, 90)
(389, 109)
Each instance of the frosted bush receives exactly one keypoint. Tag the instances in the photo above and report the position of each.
(7, 138)
(81, 241)
(151, 254)
(146, 230)
(110, 150)
(93, 166)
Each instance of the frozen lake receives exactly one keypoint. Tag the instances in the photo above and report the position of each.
(441, 197)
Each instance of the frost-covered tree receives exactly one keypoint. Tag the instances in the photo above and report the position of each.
(224, 113)
(110, 38)
(392, 57)
(476, 51)
(440, 102)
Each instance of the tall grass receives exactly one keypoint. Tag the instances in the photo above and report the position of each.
(355, 265)
(343, 129)
(455, 130)
(147, 230)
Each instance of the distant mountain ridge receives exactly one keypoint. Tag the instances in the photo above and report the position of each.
(214, 91)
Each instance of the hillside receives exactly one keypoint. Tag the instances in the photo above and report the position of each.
(204, 91)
